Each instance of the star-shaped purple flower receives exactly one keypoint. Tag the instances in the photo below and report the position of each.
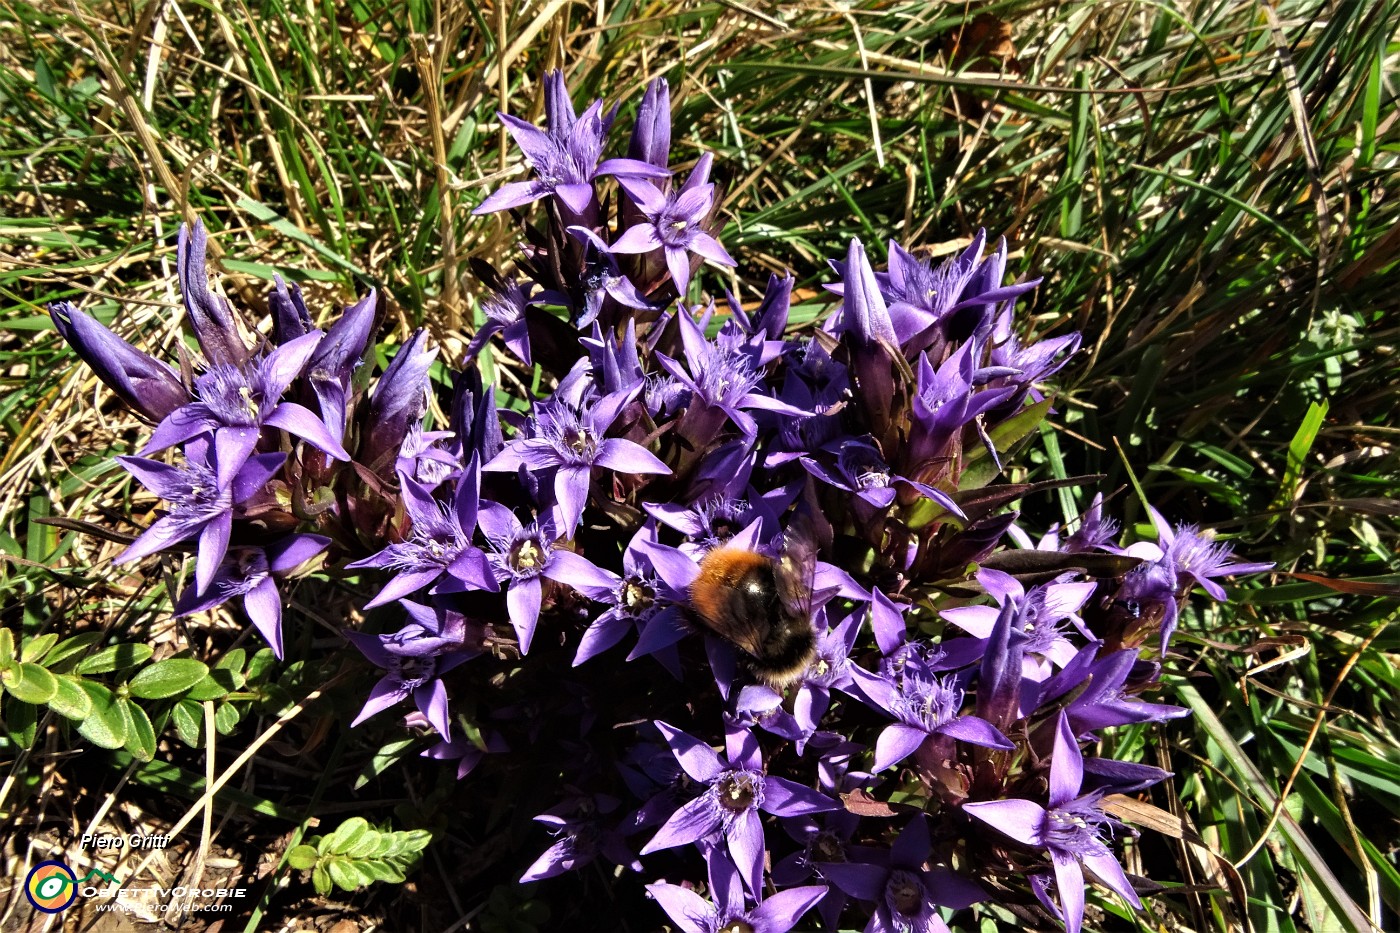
(728, 912)
(906, 894)
(570, 440)
(564, 156)
(1071, 829)
(414, 659)
(247, 572)
(202, 495)
(736, 789)
(675, 223)
(924, 706)
(521, 555)
(439, 542)
(237, 400)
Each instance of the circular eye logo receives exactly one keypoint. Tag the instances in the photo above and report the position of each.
(51, 887)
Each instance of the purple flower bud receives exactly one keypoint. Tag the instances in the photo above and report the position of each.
(399, 400)
(211, 317)
(151, 387)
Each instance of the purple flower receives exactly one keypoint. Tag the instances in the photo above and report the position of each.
(861, 470)
(634, 600)
(722, 379)
(583, 836)
(564, 156)
(1041, 614)
(924, 705)
(202, 496)
(505, 315)
(149, 386)
(945, 402)
(423, 461)
(522, 554)
(464, 751)
(778, 913)
(1195, 554)
(904, 891)
(735, 790)
(830, 670)
(651, 136)
(1104, 702)
(333, 365)
(603, 279)
(570, 439)
(237, 400)
(210, 316)
(247, 572)
(1071, 829)
(439, 542)
(398, 401)
(675, 223)
(414, 659)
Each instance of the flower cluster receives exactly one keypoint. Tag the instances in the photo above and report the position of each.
(831, 494)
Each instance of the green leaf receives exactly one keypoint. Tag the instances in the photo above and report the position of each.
(35, 648)
(106, 727)
(1298, 449)
(216, 685)
(348, 833)
(7, 646)
(979, 468)
(302, 857)
(168, 678)
(140, 734)
(70, 700)
(70, 647)
(32, 684)
(22, 719)
(189, 721)
(321, 879)
(226, 718)
(115, 658)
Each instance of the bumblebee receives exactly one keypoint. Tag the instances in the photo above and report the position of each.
(761, 605)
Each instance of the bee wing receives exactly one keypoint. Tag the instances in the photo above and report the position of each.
(797, 566)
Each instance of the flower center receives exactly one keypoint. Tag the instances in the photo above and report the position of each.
(636, 597)
(737, 925)
(825, 847)
(412, 672)
(527, 556)
(905, 893)
(235, 395)
(928, 702)
(738, 791)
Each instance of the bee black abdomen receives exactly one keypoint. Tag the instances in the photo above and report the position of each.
(786, 654)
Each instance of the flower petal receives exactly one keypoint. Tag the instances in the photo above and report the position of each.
(1022, 820)
(698, 760)
(696, 820)
(523, 604)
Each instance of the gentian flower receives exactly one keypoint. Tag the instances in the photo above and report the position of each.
(1104, 702)
(522, 554)
(830, 670)
(736, 789)
(603, 280)
(778, 913)
(211, 318)
(1041, 614)
(464, 751)
(397, 402)
(571, 440)
(906, 893)
(149, 386)
(505, 315)
(332, 366)
(237, 401)
(414, 660)
(924, 705)
(1070, 829)
(721, 379)
(861, 470)
(439, 541)
(247, 572)
(564, 156)
(202, 495)
(675, 223)
(634, 600)
(583, 836)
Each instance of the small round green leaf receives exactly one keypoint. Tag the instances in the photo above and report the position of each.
(167, 678)
(302, 857)
(189, 719)
(33, 685)
(140, 734)
(35, 648)
(70, 700)
(115, 658)
(106, 727)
